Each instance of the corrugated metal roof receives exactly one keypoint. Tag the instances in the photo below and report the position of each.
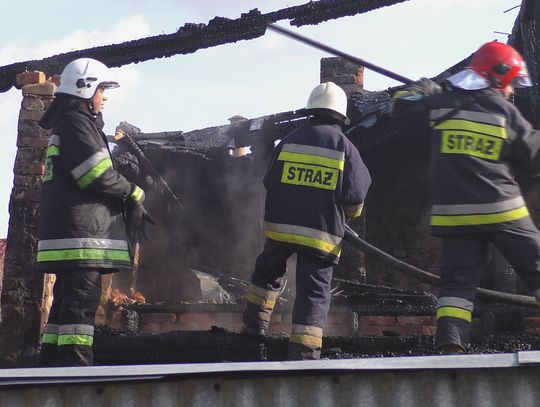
(468, 380)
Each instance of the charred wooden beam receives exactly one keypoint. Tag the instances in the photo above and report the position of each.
(162, 135)
(316, 12)
(192, 37)
(187, 39)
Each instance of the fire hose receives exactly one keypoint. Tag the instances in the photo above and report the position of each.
(353, 239)
(336, 52)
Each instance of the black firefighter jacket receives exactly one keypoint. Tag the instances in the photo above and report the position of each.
(473, 153)
(81, 221)
(315, 180)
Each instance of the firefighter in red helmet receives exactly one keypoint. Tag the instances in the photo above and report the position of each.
(476, 136)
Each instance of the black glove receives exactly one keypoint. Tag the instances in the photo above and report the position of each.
(426, 87)
(137, 217)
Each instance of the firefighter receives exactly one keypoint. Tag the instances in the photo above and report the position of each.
(315, 181)
(84, 209)
(477, 137)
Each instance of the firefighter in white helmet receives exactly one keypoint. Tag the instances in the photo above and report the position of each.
(315, 181)
(85, 201)
(477, 138)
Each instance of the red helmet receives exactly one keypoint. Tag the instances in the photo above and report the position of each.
(501, 65)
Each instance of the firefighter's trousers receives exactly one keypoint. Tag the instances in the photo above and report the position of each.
(69, 333)
(464, 259)
(312, 301)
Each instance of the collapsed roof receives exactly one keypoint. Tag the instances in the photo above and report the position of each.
(192, 37)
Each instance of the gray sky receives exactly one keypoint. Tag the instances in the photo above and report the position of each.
(252, 78)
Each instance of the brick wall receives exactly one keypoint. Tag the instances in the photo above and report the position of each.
(22, 294)
(338, 323)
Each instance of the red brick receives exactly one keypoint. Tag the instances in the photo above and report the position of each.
(280, 328)
(532, 322)
(428, 330)
(424, 320)
(227, 318)
(373, 330)
(158, 318)
(55, 79)
(22, 168)
(44, 89)
(31, 115)
(407, 330)
(28, 78)
(151, 328)
(340, 318)
(37, 142)
(26, 195)
(33, 103)
(377, 320)
(337, 330)
(195, 321)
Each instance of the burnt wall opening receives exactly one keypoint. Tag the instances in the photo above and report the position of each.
(218, 230)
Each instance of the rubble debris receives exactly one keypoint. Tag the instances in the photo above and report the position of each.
(115, 347)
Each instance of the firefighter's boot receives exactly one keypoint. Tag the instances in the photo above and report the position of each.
(48, 355)
(259, 307)
(75, 355)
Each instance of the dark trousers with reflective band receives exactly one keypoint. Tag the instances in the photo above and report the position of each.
(464, 259)
(312, 302)
(69, 333)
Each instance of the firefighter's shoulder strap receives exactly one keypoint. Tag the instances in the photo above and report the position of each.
(454, 111)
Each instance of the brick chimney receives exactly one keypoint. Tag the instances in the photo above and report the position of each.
(348, 75)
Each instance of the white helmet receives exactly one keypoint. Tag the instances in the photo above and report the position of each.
(328, 98)
(83, 76)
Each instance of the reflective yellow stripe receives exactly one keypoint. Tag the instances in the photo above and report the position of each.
(307, 330)
(454, 312)
(466, 125)
(50, 338)
(308, 340)
(261, 292)
(83, 254)
(305, 241)
(94, 173)
(311, 159)
(468, 220)
(261, 302)
(53, 151)
(75, 339)
(137, 194)
(407, 95)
